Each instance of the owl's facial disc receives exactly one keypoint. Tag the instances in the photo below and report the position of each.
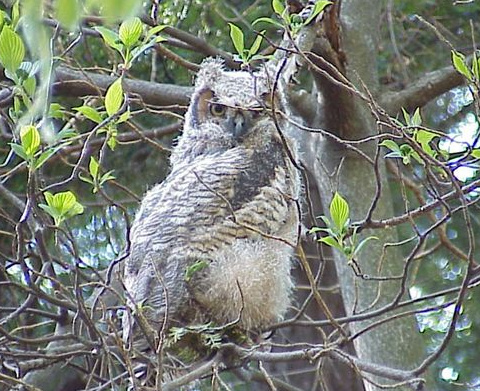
(234, 119)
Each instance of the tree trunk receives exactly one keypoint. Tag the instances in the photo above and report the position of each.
(336, 168)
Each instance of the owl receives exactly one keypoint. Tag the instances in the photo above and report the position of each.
(214, 241)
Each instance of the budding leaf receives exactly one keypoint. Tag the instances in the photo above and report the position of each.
(256, 44)
(30, 139)
(237, 38)
(130, 31)
(319, 7)
(339, 211)
(278, 7)
(61, 205)
(93, 167)
(114, 97)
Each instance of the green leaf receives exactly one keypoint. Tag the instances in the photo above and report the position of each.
(48, 197)
(258, 57)
(460, 64)
(12, 50)
(30, 68)
(93, 167)
(30, 139)
(339, 212)
(328, 231)
(154, 30)
(89, 112)
(106, 177)
(417, 157)
(416, 119)
(44, 157)
(140, 49)
(256, 44)
(76, 209)
(237, 38)
(65, 134)
(423, 137)
(86, 179)
(192, 269)
(68, 13)
(326, 220)
(278, 7)
(475, 153)
(175, 334)
(267, 20)
(476, 67)
(406, 116)
(319, 7)
(112, 137)
(328, 240)
(15, 14)
(56, 110)
(130, 31)
(52, 212)
(17, 105)
(407, 153)
(395, 154)
(124, 117)
(390, 144)
(64, 201)
(114, 97)
(61, 205)
(19, 151)
(110, 37)
(112, 143)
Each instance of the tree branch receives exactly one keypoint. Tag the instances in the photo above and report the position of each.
(69, 82)
(420, 92)
(315, 352)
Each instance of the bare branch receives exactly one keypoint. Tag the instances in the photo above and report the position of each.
(69, 82)
(422, 91)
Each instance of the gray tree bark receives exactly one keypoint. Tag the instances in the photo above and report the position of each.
(396, 344)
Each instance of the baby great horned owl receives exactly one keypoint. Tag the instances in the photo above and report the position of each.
(214, 240)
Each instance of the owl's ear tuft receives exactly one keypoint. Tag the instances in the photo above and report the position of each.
(211, 70)
(197, 111)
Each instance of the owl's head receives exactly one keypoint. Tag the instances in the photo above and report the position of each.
(226, 108)
(234, 100)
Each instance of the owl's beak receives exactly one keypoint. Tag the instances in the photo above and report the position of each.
(239, 124)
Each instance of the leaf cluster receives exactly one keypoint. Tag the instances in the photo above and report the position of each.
(338, 229)
(292, 22)
(127, 42)
(61, 206)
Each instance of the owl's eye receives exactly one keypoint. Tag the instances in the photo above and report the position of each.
(217, 109)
